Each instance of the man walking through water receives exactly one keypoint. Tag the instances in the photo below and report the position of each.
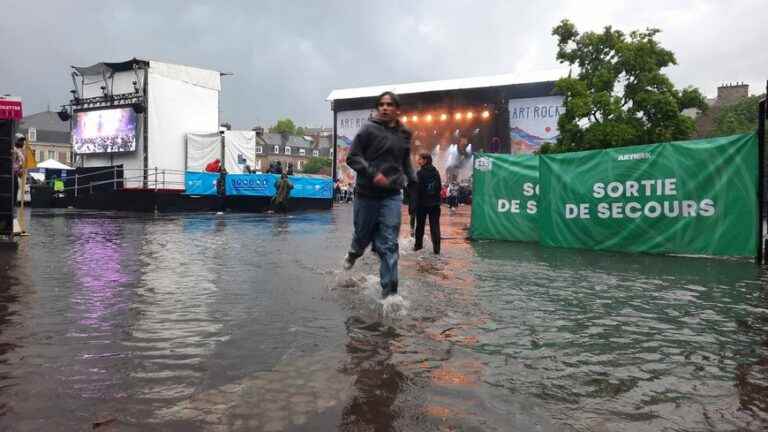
(381, 156)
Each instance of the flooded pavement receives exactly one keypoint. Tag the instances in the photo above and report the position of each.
(245, 322)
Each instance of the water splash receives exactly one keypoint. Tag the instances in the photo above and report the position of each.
(394, 306)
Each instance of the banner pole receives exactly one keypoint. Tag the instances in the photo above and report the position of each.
(334, 168)
(760, 257)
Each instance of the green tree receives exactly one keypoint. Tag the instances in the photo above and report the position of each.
(737, 118)
(299, 131)
(619, 96)
(284, 126)
(316, 165)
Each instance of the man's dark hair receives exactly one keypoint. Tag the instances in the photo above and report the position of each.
(427, 157)
(395, 99)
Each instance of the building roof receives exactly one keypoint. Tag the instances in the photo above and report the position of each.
(451, 84)
(44, 121)
(276, 139)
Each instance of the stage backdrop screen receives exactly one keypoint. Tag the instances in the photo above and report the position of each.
(105, 131)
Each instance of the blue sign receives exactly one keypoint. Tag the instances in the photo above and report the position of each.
(200, 183)
(251, 184)
(264, 185)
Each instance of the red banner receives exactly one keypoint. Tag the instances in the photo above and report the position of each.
(10, 109)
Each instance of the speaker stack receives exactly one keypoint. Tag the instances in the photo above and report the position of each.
(7, 130)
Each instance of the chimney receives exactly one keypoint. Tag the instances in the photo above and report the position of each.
(729, 94)
(259, 131)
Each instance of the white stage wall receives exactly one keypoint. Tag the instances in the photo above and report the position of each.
(239, 149)
(203, 149)
(177, 106)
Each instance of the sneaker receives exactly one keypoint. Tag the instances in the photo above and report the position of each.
(349, 261)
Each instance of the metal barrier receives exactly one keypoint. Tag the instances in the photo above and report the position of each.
(154, 179)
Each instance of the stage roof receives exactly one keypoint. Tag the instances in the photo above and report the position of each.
(447, 85)
(201, 77)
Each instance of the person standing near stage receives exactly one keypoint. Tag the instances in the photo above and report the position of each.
(453, 195)
(18, 166)
(427, 202)
(282, 192)
(221, 189)
(381, 156)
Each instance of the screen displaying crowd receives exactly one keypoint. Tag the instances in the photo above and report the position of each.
(105, 131)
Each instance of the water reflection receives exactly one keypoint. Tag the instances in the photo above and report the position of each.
(655, 336)
(377, 383)
(174, 331)
(97, 259)
(9, 272)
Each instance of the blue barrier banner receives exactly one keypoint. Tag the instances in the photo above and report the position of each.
(264, 185)
(200, 183)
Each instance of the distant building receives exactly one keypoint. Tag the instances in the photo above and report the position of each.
(273, 147)
(49, 136)
(727, 94)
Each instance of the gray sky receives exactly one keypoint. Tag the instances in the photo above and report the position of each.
(287, 56)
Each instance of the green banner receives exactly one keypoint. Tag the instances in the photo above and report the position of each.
(688, 197)
(504, 197)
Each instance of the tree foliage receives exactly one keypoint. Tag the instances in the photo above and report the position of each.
(316, 165)
(740, 117)
(284, 126)
(619, 96)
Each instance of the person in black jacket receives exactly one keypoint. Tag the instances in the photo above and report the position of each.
(427, 202)
(381, 156)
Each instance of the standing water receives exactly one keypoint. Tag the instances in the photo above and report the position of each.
(246, 322)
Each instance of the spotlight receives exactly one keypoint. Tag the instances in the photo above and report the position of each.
(470, 114)
(64, 114)
(139, 108)
(429, 118)
(457, 116)
(415, 118)
(404, 119)
(485, 114)
(443, 117)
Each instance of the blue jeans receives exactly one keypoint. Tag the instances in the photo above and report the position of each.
(377, 220)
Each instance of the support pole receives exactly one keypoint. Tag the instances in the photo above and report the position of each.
(760, 256)
(333, 146)
(22, 189)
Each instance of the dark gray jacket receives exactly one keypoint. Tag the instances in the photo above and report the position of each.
(379, 148)
(429, 187)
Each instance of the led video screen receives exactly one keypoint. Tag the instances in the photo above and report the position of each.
(105, 131)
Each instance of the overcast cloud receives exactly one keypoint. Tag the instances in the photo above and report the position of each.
(287, 56)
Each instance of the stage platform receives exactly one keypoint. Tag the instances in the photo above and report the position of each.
(167, 201)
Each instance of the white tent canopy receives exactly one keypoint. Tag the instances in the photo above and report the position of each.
(451, 84)
(53, 164)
